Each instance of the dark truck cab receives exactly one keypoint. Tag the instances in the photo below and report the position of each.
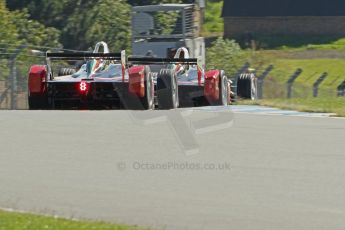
(181, 28)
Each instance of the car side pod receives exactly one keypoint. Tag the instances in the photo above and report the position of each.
(211, 88)
(140, 93)
(37, 81)
(37, 84)
(136, 81)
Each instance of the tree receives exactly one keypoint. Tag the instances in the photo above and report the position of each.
(105, 20)
(8, 29)
(226, 55)
(84, 22)
(19, 30)
(214, 23)
(32, 32)
(52, 13)
(8, 36)
(154, 2)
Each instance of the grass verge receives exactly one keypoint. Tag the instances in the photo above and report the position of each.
(300, 42)
(286, 63)
(317, 105)
(21, 221)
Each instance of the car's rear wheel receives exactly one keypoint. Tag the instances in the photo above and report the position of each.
(66, 71)
(247, 87)
(134, 102)
(223, 90)
(167, 89)
(38, 102)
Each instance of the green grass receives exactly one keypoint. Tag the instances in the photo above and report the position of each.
(319, 105)
(20, 221)
(312, 70)
(336, 44)
(287, 62)
(314, 55)
(299, 42)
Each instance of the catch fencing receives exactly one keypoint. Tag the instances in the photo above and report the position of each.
(269, 87)
(14, 87)
(15, 63)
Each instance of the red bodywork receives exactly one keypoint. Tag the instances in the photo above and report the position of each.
(37, 79)
(136, 81)
(199, 75)
(123, 67)
(211, 88)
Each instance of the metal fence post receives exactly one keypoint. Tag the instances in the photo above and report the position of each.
(341, 89)
(13, 76)
(291, 81)
(261, 80)
(13, 79)
(317, 83)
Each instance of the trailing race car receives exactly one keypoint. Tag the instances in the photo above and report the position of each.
(102, 81)
(183, 82)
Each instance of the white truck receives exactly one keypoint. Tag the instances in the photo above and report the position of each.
(159, 30)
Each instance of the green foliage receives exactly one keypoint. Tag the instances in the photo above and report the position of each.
(82, 23)
(19, 221)
(9, 32)
(105, 20)
(153, 2)
(226, 55)
(214, 23)
(287, 42)
(34, 33)
(165, 21)
(20, 29)
(7, 36)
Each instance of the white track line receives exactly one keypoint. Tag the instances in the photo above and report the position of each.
(261, 110)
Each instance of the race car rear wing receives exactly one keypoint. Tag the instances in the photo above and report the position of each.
(164, 61)
(157, 61)
(84, 56)
(118, 57)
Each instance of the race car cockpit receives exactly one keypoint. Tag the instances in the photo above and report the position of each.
(99, 68)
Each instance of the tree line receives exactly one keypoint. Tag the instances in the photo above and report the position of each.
(78, 24)
(73, 24)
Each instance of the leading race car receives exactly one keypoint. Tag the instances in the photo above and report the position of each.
(102, 81)
(183, 82)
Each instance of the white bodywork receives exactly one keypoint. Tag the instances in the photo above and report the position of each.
(104, 45)
(99, 70)
(186, 74)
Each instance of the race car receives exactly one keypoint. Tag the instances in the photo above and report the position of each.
(102, 81)
(183, 82)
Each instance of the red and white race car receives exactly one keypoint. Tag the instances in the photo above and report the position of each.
(183, 82)
(102, 81)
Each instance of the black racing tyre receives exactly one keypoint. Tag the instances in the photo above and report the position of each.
(223, 90)
(38, 102)
(247, 86)
(66, 71)
(167, 89)
(147, 102)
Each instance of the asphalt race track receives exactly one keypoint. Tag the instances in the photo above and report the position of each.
(177, 169)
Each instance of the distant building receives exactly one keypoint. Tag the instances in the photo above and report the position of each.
(284, 17)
